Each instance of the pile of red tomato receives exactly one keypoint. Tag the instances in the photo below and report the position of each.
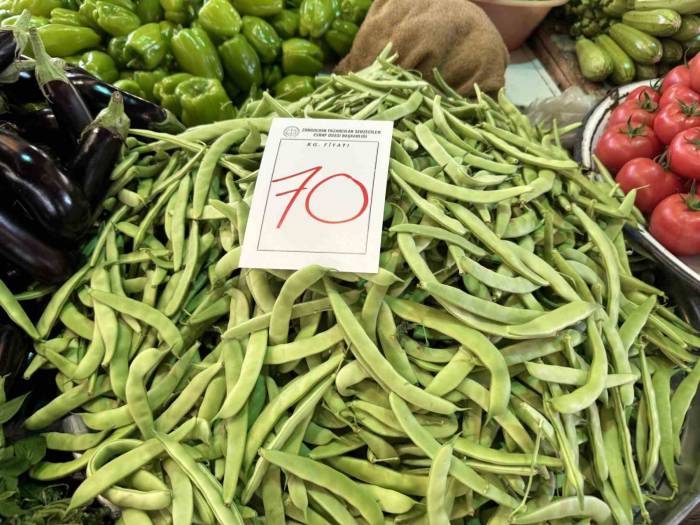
(652, 143)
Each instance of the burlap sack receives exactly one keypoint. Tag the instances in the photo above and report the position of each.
(455, 36)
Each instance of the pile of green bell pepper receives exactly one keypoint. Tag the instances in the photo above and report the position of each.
(197, 57)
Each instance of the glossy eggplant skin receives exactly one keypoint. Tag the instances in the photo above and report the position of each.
(8, 49)
(22, 248)
(141, 113)
(41, 127)
(98, 153)
(28, 175)
(24, 90)
(14, 348)
(72, 114)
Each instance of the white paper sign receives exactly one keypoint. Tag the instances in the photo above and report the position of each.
(319, 196)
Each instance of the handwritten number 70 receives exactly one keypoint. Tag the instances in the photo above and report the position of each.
(311, 173)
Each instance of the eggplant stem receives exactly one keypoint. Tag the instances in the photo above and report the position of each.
(113, 117)
(21, 31)
(47, 69)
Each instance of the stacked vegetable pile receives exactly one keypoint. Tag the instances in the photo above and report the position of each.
(505, 361)
(651, 143)
(641, 39)
(194, 58)
(52, 176)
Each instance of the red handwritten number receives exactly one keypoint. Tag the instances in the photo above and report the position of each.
(295, 194)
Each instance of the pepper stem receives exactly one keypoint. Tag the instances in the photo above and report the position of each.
(113, 117)
(46, 69)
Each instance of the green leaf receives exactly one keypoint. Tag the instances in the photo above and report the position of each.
(10, 509)
(10, 408)
(32, 448)
(14, 466)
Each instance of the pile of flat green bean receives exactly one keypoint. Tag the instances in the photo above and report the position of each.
(504, 366)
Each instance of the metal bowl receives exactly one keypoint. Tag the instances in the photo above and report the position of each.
(685, 269)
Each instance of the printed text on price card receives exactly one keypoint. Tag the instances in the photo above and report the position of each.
(319, 196)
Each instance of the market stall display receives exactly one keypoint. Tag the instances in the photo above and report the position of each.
(622, 41)
(507, 341)
(198, 59)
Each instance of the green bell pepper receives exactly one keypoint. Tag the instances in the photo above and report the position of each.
(62, 40)
(220, 18)
(73, 60)
(354, 10)
(116, 48)
(294, 87)
(316, 17)
(149, 11)
(148, 79)
(145, 47)
(34, 21)
(241, 62)
(175, 11)
(258, 7)
(203, 100)
(272, 74)
(115, 20)
(86, 13)
(164, 91)
(286, 23)
(231, 89)
(340, 36)
(99, 64)
(263, 37)
(167, 30)
(37, 7)
(130, 86)
(301, 57)
(65, 16)
(195, 53)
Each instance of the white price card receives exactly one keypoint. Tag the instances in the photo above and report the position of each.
(319, 196)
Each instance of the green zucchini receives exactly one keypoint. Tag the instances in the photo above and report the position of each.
(657, 22)
(684, 7)
(615, 8)
(673, 51)
(646, 71)
(692, 46)
(690, 28)
(623, 66)
(643, 48)
(594, 62)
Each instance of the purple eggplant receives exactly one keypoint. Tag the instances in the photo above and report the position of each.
(96, 94)
(13, 39)
(69, 107)
(99, 150)
(24, 249)
(142, 113)
(28, 175)
(41, 127)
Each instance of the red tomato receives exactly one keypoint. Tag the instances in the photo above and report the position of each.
(653, 182)
(622, 143)
(678, 75)
(635, 112)
(694, 77)
(644, 93)
(674, 118)
(684, 153)
(675, 223)
(678, 92)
